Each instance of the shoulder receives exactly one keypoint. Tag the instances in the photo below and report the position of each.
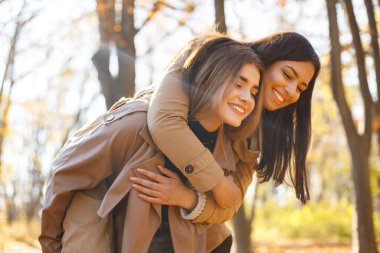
(128, 115)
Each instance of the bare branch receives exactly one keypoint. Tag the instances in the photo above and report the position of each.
(181, 23)
(375, 45)
(362, 72)
(32, 69)
(82, 109)
(189, 8)
(153, 12)
(336, 74)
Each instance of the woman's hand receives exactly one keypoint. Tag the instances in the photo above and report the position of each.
(164, 190)
(226, 193)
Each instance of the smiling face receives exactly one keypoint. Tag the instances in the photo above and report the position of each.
(284, 81)
(238, 101)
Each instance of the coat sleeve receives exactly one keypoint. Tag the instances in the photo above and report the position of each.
(86, 159)
(246, 166)
(215, 214)
(167, 123)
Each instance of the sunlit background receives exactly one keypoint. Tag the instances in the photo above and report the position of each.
(50, 87)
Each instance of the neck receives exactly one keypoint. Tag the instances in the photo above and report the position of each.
(210, 121)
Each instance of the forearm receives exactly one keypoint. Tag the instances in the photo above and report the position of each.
(170, 132)
(213, 213)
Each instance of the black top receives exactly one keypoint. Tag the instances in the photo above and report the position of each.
(208, 139)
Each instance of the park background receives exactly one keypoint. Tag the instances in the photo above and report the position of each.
(63, 62)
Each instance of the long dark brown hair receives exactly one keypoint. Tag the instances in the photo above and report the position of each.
(287, 131)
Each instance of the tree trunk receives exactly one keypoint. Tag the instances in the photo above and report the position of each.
(220, 19)
(363, 230)
(243, 225)
(359, 145)
(5, 104)
(242, 228)
(8, 76)
(126, 51)
(36, 179)
(121, 35)
(376, 59)
(10, 205)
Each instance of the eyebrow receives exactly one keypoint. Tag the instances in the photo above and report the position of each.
(296, 74)
(244, 79)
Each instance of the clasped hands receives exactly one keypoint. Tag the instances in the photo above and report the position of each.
(168, 189)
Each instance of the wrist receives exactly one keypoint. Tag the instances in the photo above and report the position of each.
(190, 200)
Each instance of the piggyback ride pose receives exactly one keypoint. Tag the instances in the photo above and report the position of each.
(91, 204)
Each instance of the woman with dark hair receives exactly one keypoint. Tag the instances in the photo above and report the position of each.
(286, 123)
(91, 204)
(291, 68)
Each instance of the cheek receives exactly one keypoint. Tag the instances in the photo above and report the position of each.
(296, 98)
(253, 105)
(272, 78)
(233, 92)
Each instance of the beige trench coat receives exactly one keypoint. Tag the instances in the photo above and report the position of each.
(96, 164)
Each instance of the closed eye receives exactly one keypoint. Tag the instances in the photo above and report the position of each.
(255, 91)
(287, 76)
(302, 87)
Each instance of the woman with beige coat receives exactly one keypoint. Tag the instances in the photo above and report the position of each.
(291, 68)
(93, 170)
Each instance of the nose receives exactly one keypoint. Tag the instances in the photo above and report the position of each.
(245, 95)
(291, 90)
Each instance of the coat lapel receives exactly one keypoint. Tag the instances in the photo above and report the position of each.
(223, 152)
(122, 184)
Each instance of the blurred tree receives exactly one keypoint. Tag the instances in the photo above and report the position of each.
(117, 30)
(375, 52)
(242, 223)
(359, 144)
(36, 180)
(220, 19)
(7, 85)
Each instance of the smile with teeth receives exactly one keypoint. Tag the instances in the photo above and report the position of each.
(278, 96)
(238, 109)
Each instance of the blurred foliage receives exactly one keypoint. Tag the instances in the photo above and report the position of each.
(316, 220)
(20, 231)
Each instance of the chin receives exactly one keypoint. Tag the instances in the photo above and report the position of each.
(234, 123)
(270, 107)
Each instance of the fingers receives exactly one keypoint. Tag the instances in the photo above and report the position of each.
(147, 191)
(152, 175)
(167, 172)
(150, 199)
(146, 183)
